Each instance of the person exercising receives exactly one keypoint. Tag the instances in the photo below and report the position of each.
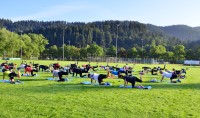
(130, 79)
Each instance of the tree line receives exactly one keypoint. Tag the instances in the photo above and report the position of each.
(99, 38)
(27, 45)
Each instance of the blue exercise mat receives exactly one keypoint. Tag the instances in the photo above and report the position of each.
(5, 81)
(29, 75)
(122, 86)
(107, 84)
(147, 87)
(144, 87)
(96, 84)
(154, 80)
(25, 75)
(86, 82)
(8, 81)
(52, 79)
(56, 79)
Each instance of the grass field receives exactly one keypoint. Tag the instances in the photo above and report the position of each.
(38, 97)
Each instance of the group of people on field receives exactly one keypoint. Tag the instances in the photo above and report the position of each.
(125, 73)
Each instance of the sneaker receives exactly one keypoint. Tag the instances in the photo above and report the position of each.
(179, 80)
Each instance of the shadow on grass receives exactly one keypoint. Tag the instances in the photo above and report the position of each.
(32, 79)
(176, 86)
(79, 88)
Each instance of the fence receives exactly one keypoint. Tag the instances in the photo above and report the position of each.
(119, 60)
(125, 60)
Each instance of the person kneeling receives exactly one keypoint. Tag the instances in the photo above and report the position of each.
(171, 75)
(97, 77)
(130, 79)
(11, 74)
(60, 75)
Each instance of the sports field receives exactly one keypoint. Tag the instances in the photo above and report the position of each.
(37, 97)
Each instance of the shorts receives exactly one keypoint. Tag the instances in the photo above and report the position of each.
(12, 75)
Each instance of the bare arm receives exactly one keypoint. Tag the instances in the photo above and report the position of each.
(3, 76)
(53, 74)
(19, 74)
(140, 76)
(162, 79)
(91, 80)
(124, 83)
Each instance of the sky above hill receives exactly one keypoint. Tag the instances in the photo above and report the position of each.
(157, 12)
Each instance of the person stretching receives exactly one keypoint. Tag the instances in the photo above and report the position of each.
(60, 75)
(98, 77)
(30, 70)
(11, 74)
(130, 79)
(171, 75)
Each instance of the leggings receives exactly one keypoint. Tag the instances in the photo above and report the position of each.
(34, 70)
(101, 77)
(132, 80)
(60, 74)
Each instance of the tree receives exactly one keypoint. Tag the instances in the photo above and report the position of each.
(53, 50)
(74, 52)
(157, 51)
(95, 50)
(10, 43)
(39, 40)
(83, 52)
(108, 39)
(111, 51)
(168, 56)
(122, 52)
(133, 52)
(81, 34)
(28, 47)
(179, 52)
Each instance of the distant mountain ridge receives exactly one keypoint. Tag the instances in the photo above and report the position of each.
(182, 32)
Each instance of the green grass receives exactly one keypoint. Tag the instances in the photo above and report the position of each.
(38, 97)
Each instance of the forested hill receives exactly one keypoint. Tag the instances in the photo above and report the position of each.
(104, 33)
(182, 32)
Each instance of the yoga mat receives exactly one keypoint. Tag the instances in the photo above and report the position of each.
(56, 79)
(86, 83)
(96, 84)
(5, 81)
(8, 81)
(145, 87)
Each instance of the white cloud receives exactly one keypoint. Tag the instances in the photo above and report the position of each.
(51, 12)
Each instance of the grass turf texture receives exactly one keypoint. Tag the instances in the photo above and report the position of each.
(38, 97)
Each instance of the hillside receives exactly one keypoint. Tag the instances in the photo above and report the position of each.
(182, 32)
(131, 37)
(104, 33)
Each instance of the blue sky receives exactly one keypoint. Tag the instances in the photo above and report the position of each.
(157, 12)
